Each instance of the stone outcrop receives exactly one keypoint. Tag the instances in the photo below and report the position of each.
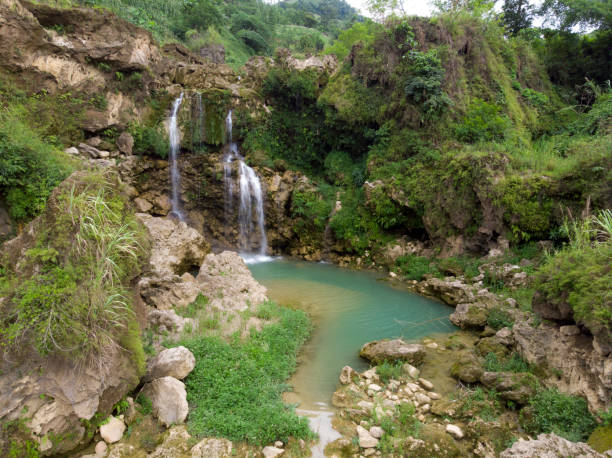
(176, 247)
(212, 447)
(392, 350)
(175, 362)
(584, 369)
(518, 388)
(550, 446)
(169, 400)
(58, 396)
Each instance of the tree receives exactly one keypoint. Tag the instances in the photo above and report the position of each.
(517, 15)
(583, 13)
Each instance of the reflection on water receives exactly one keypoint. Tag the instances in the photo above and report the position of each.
(349, 309)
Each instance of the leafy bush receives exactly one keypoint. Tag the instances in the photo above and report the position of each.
(29, 168)
(499, 318)
(415, 267)
(551, 411)
(235, 388)
(483, 121)
(149, 140)
(424, 82)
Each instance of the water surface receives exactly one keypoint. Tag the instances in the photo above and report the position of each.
(349, 308)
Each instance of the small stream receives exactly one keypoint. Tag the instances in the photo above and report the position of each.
(348, 308)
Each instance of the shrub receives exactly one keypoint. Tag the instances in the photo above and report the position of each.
(149, 140)
(551, 411)
(482, 122)
(498, 318)
(235, 388)
(415, 267)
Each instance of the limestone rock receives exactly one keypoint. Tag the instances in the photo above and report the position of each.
(411, 371)
(347, 375)
(176, 247)
(426, 384)
(167, 321)
(451, 291)
(175, 362)
(392, 350)
(125, 143)
(550, 446)
(113, 430)
(175, 443)
(469, 315)
(212, 447)
(272, 452)
(467, 368)
(376, 432)
(101, 448)
(169, 400)
(454, 431)
(142, 205)
(228, 283)
(366, 440)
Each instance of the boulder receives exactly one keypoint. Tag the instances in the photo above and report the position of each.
(376, 432)
(175, 362)
(516, 387)
(366, 440)
(411, 371)
(450, 290)
(142, 205)
(112, 431)
(492, 344)
(467, 368)
(169, 400)
(455, 431)
(212, 447)
(347, 374)
(272, 452)
(101, 448)
(392, 350)
(176, 442)
(549, 446)
(469, 315)
(125, 143)
(176, 248)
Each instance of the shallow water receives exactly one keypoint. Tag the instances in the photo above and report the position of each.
(348, 308)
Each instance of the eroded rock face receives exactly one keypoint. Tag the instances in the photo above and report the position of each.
(550, 446)
(518, 388)
(175, 362)
(169, 400)
(392, 350)
(176, 247)
(585, 371)
(57, 395)
(228, 283)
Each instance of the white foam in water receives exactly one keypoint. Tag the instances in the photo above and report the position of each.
(257, 258)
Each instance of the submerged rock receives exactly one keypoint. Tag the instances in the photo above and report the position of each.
(550, 446)
(392, 350)
(175, 362)
(169, 400)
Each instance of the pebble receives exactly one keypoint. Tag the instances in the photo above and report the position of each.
(374, 387)
(433, 395)
(426, 384)
(454, 431)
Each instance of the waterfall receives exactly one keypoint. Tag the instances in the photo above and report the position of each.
(175, 144)
(251, 218)
(197, 134)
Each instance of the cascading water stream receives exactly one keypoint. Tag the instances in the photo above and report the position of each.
(251, 216)
(175, 144)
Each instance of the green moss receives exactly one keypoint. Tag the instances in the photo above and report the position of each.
(601, 439)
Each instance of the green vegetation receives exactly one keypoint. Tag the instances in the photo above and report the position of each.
(87, 248)
(499, 318)
(550, 411)
(387, 371)
(512, 363)
(397, 427)
(235, 389)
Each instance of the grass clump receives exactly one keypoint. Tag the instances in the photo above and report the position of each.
(499, 318)
(416, 267)
(551, 411)
(387, 371)
(68, 296)
(397, 427)
(235, 388)
(513, 363)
